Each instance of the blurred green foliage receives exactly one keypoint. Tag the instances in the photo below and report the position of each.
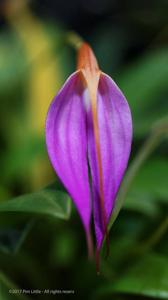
(42, 244)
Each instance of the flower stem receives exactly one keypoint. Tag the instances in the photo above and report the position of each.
(97, 261)
(89, 245)
(150, 242)
(74, 40)
(158, 132)
(156, 236)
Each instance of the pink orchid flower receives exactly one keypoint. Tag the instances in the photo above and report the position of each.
(88, 137)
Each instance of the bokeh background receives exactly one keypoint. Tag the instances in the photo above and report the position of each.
(43, 246)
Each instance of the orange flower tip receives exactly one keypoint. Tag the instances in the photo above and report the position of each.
(86, 58)
(88, 65)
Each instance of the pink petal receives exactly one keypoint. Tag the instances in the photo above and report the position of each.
(67, 144)
(115, 133)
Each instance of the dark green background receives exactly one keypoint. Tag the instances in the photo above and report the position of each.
(42, 243)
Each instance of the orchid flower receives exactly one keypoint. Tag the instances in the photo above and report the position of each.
(88, 137)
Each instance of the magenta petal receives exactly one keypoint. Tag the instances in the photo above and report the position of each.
(115, 133)
(67, 144)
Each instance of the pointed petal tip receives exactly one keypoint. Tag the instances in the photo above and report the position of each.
(86, 58)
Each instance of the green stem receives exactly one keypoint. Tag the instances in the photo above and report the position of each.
(74, 40)
(151, 241)
(149, 146)
(156, 236)
(140, 249)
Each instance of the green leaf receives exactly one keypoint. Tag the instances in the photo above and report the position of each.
(148, 277)
(151, 181)
(142, 203)
(145, 77)
(48, 201)
(149, 188)
(144, 84)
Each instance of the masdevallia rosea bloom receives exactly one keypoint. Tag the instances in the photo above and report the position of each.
(88, 137)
